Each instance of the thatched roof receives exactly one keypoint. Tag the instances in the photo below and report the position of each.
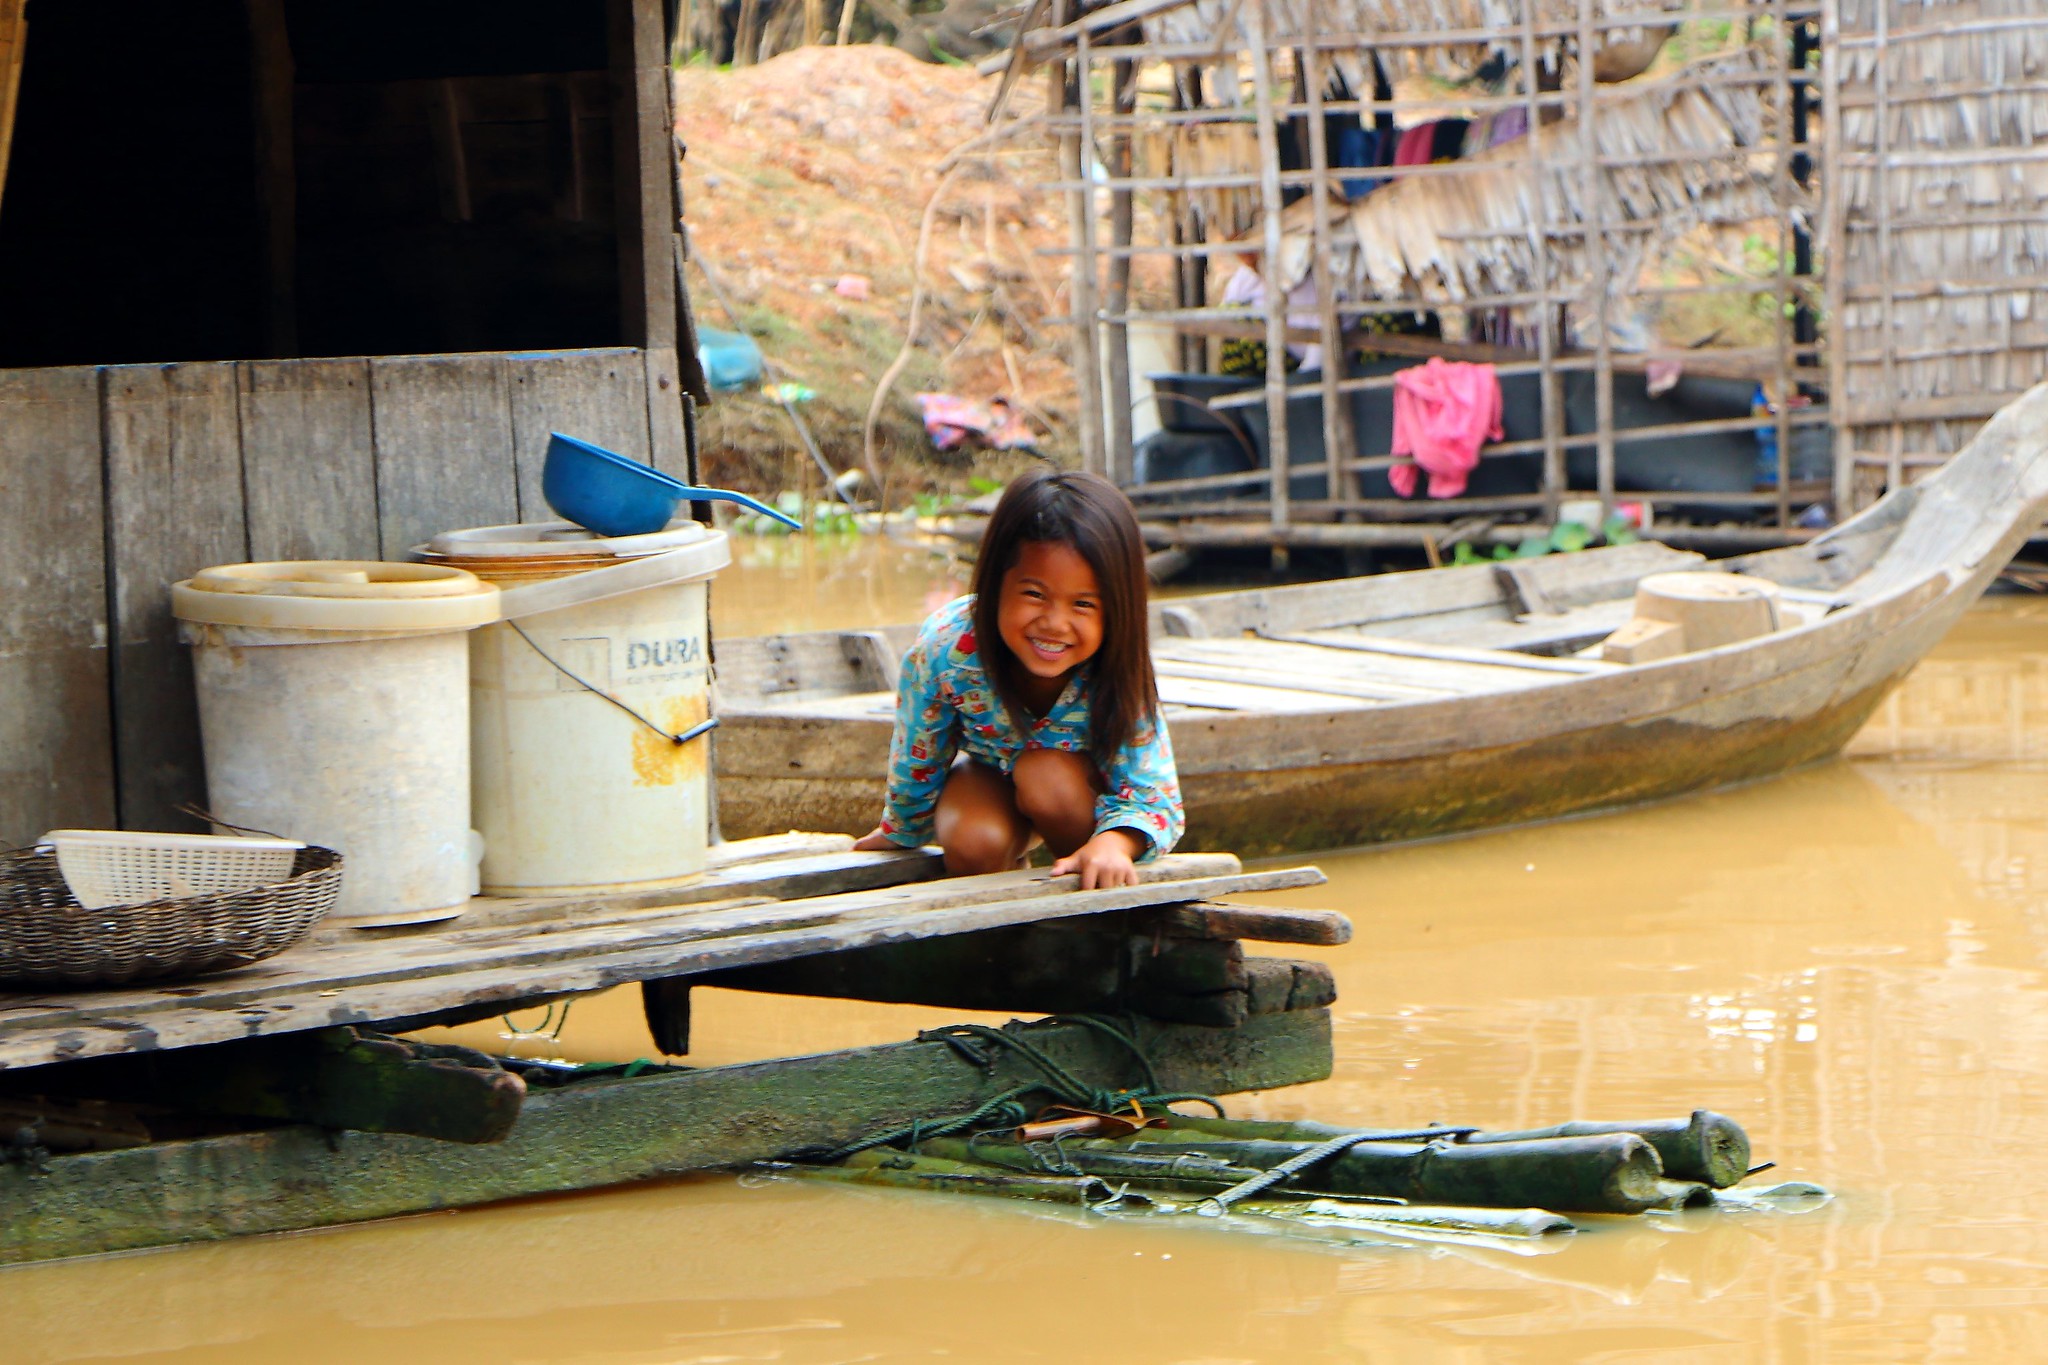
(1219, 24)
(1289, 21)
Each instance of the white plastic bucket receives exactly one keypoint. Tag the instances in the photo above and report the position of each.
(334, 708)
(602, 658)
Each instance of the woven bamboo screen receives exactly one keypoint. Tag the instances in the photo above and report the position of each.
(1941, 226)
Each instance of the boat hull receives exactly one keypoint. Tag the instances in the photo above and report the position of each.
(1265, 785)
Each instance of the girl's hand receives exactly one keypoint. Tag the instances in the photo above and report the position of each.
(1106, 860)
(874, 841)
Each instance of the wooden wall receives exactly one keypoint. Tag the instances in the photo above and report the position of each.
(115, 481)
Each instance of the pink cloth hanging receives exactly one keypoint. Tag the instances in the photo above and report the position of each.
(1443, 412)
(1415, 145)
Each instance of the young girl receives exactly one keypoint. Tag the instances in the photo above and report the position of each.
(1028, 710)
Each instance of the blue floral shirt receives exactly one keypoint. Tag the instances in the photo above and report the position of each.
(945, 703)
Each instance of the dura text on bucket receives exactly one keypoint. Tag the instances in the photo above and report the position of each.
(672, 653)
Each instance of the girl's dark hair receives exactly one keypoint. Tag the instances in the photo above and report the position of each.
(1086, 512)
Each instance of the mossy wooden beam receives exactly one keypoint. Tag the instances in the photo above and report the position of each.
(1066, 967)
(332, 1078)
(592, 1133)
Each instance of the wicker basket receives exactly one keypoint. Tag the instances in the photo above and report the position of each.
(48, 939)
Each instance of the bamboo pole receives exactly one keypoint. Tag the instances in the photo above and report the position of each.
(1254, 19)
(1781, 321)
(1603, 368)
(1549, 394)
(1338, 440)
(1117, 339)
(1881, 192)
(1835, 196)
(1076, 163)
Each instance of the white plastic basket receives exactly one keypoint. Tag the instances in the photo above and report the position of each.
(105, 867)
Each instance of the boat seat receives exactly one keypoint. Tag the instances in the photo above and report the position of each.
(1421, 649)
(1346, 669)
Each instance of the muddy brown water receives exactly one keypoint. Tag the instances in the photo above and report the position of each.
(1848, 959)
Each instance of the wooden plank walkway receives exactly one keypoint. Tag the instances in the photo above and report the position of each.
(507, 951)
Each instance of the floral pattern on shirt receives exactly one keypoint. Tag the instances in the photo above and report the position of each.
(945, 704)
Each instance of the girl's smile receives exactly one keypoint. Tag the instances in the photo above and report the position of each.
(1050, 616)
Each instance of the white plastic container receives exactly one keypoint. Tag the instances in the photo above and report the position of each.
(110, 867)
(334, 708)
(573, 793)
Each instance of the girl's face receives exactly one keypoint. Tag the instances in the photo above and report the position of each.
(1050, 612)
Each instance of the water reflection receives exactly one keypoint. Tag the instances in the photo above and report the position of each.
(1849, 959)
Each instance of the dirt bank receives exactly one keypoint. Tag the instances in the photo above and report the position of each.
(820, 163)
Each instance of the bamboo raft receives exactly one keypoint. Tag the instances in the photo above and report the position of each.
(1410, 705)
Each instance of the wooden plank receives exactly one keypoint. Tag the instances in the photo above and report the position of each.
(1296, 664)
(598, 1132)
(277, 187)
(1558, 634)
(56, 724)
(667, 445)
(1257, 698)
(331, 981)
(643, 127)
(1411, 649)
(174, 506)
(597, 396)
(308, 465)
(443, 429)
(13, 32)
(1264, 923)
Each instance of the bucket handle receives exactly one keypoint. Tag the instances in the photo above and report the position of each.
(702, 727)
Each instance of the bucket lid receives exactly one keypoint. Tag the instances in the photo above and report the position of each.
(704, 556)
(336, 594)
(560, 539)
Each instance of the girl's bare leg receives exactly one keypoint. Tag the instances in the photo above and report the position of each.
(979, 826)
(1054, 794)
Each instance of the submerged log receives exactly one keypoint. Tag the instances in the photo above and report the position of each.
(1411, 1219)
(1706, 1147)
(1603, 1173)
(901, 1170)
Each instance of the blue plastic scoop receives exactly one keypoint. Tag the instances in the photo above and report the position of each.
(612, 495)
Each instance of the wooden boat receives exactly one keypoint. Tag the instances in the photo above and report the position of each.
(1409, 705)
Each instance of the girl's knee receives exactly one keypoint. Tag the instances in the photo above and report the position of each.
(972, 850)
(1055, 788)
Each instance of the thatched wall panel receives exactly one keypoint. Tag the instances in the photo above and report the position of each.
(1958, 208)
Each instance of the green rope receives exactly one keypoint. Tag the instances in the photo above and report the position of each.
(983, 1047)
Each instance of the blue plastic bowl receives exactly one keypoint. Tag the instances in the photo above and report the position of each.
(605, 492)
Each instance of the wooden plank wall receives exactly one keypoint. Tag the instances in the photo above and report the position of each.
(117, 481)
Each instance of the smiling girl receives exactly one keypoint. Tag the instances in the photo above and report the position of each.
(1028, 711)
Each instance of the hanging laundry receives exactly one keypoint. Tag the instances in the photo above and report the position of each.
(1508, 125)
(1416, 145)
(1447, 139)
(1443, 413)
(1478, 137)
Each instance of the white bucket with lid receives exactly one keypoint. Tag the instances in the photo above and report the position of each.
(334, 708)
(602, 659)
